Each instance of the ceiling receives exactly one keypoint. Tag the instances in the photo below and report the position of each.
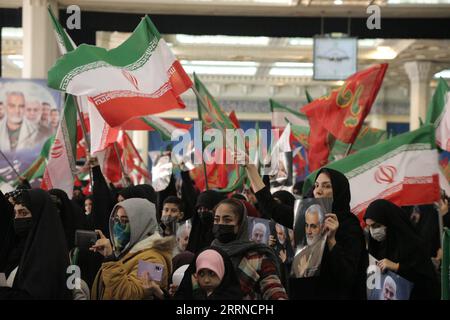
(261, 67)
(271, 8)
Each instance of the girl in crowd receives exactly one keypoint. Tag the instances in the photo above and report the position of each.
(256, 265)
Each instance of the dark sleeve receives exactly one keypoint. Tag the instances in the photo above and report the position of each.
(446, 220)
(270, 209)
(266, 180)
(344, 258)
(103, 201)
(171, 190)
(25, 184)
(188, 195)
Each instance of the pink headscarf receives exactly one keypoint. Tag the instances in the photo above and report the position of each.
(212, 260)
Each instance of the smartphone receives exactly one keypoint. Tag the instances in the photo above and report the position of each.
(85, 238)
(155, 270)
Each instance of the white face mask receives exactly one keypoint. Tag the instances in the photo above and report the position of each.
(379, 234)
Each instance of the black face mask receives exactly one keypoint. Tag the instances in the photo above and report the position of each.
(206, 217)
(224, 232)
(22, 227)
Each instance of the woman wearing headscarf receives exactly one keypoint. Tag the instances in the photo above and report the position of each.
(255, 264)
(279, 206)
(202, 221)
(135, 237)
(425, 221)
(397, 247)
(41, 270)
(345, 259)
(215, 259)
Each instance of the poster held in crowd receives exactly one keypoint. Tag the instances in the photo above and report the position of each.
(258, 230)
(387, 285)
(263, 230)
(283, 244)
(309, 236)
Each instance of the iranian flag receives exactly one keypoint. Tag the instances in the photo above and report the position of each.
(140, 77)
(61, 165)
(61, 168)
(403, 170)
(282, 114)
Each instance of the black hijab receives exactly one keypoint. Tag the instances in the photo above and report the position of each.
(71, 216)
(45, 258)
(10, 249)
(285, 197)
(404, 246)
(143, 191)
(201, 233)
(229, 288)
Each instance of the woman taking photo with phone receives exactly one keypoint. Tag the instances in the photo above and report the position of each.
(135, 237)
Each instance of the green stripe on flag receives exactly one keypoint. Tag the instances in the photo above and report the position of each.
(131, 54)
(278, 107)
(437, 104)
(61, 34)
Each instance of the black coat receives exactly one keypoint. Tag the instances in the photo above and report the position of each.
(45, 258)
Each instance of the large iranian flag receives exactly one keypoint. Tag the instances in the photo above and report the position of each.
(140, 77)
(403, 170)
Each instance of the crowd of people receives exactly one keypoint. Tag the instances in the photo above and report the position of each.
(180, 243)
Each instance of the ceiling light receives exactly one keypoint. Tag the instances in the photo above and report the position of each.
(222, 40)
(383, 53)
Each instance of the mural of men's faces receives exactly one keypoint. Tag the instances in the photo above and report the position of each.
(33, 111)
(15, 109)
(45, 117)
(54, 118)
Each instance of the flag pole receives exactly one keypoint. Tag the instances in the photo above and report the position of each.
(116, 149)
(10, 164)
(200, 98)
(347, 152)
